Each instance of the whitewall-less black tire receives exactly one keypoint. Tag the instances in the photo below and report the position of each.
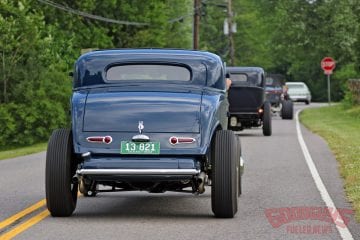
(224, 190)
(61, 192)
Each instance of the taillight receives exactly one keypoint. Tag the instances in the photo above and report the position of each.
(179, 140)
(107, 139)
(100, 139)
(173, 140)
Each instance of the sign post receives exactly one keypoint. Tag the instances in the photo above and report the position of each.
(328, 65)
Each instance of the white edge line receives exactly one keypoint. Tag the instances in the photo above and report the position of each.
(344, 231)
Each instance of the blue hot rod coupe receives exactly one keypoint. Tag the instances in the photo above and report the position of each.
(146, 119)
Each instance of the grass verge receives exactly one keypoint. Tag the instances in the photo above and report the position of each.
(340, 127)
(16, 152)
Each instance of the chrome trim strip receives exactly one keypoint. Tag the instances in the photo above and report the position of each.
(140, 138)
(126, 172)
(86, 154)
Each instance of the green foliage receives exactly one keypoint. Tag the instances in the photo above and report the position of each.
(34, 92)
(42, 108)
(340, 127)
(352, 96)
(306, 32)
(12, 152)
(291, 38)
(342, 77)
(253, 36)
(211, 31)
(8, 124)
(39, 44)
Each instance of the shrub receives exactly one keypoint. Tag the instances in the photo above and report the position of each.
(354, 91)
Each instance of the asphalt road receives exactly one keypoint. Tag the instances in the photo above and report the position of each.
(276, 177)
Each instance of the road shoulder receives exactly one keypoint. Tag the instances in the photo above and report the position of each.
(328, 168)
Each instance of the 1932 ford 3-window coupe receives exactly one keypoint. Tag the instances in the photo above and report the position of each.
(146, 119)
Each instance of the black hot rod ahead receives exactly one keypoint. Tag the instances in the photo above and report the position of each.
(146, 119)
(248, 107)
(277, 95)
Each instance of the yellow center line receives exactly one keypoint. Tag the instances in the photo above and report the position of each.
(21, 214)
(27, 224)
(22, 227)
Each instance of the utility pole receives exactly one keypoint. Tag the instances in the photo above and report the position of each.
(230, 16)
(196, 26)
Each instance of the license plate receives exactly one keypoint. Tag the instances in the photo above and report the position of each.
(128, 147)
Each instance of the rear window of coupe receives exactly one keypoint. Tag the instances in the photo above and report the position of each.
(148, 72)
(246, 79)
(239, 77)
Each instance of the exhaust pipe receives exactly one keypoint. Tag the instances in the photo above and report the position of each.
(75, 179)
(242, 166)
(201, 179)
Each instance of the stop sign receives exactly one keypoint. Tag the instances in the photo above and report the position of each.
(328, 65)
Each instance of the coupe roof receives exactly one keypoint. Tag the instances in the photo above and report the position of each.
(181, 53)
(206, 69)
(244, 69)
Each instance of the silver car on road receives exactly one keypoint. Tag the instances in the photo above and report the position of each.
(298, 92)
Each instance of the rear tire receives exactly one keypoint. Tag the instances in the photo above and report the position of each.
(287, 110)
(224, 197)
(61, 193)
(267, 119)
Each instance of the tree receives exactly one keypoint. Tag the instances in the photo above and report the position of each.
(42, 39)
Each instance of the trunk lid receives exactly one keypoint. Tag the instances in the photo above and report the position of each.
(160, 112)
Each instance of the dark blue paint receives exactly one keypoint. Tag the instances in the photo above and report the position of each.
(173, 108)
(121, 112)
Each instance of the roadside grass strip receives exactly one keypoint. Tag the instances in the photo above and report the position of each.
(343, 231)
(21, 151)
(340, 127)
